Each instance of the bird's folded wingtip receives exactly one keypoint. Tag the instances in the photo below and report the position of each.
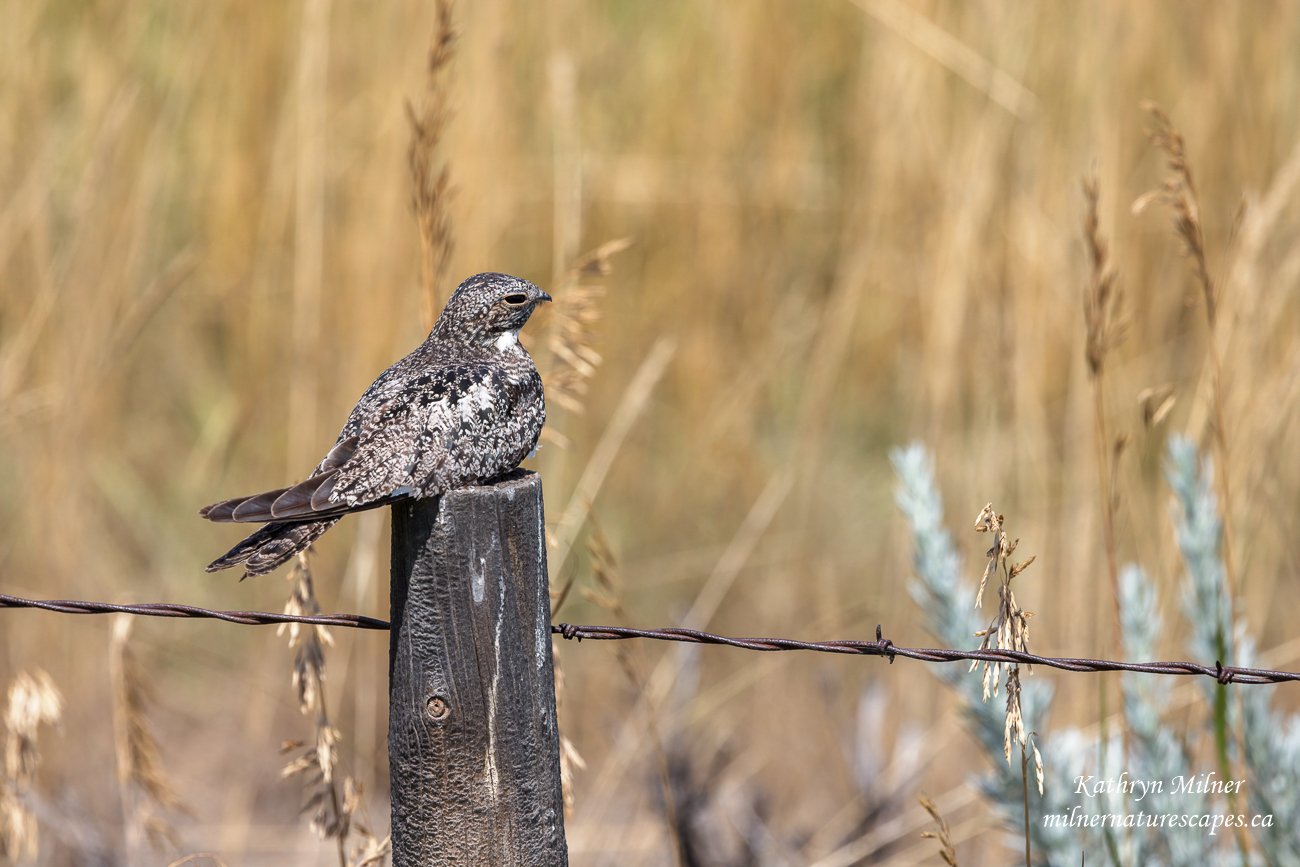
(221, 512)
(256, 508)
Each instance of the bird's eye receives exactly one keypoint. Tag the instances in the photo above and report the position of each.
(515, 299)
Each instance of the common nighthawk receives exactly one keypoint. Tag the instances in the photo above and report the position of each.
(464, 407)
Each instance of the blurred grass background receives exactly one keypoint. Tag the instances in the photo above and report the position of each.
(858, 223)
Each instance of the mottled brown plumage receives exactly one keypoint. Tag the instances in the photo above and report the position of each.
(464, 407)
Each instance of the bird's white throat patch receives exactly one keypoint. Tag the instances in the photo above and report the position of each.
(507, 339)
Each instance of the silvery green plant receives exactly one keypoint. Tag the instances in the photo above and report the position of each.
(1152, 751)
(949, 603)
(1272, 746)
(1200, 533)
(1271, 740)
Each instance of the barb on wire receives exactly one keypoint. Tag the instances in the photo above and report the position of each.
(884, 647)
(880, 646)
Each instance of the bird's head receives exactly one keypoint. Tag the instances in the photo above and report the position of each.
(489, 308)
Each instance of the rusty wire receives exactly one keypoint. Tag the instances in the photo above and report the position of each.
(880, 646)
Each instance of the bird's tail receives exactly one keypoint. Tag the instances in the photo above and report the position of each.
(272, 545)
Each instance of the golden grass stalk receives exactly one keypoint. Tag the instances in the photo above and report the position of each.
(1178, 194)
(570, 364)
(307, 643)
(566, 144)
(304, 325)
(571, 761)
(371, 850)
(571, 356)
(946, 849)
(1156, 402)
(605, 573)
(333, 800)
(146, 794)
(666, 674)
(431, 188)
(635, 399)
(949, 51)
(1104, 326)
(33, 701)
(1103, 299)
(607, 594)
(331, 810)
(1009, 629)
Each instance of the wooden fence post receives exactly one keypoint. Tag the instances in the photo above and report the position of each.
(473, 745)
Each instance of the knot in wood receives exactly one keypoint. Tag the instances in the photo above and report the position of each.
(437, 708)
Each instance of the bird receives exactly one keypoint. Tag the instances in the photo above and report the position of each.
(462, 408)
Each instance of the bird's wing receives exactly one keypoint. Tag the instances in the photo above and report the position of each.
(293, 503)
(440, 435)
(444, 430)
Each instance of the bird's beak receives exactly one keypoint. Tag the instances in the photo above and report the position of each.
(542, 296)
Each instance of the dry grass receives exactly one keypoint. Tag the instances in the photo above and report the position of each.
(850, 218)
(1178, 194)
(33, 702)
(431, 187)
(147, 795)
(332, 801)
(1104, 327)
(572, 359)
(1008, 630)
(944, 835)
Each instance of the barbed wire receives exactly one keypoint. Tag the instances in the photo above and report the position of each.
(167, 609)
(884, 647)
(880, 646)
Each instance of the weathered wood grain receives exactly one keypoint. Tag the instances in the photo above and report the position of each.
(472, 739)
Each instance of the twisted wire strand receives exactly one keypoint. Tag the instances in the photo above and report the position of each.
(880, 646)
(167, 609)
